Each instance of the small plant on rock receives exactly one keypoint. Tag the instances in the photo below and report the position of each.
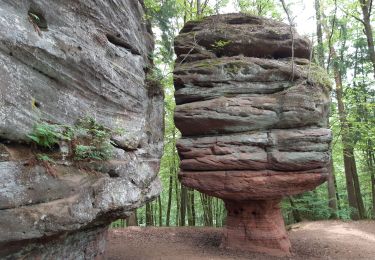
(87, 139)
(47, 135)
(92, 140)
(220, 44)
(44, 158)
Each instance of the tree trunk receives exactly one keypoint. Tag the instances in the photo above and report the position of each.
(149, 220)
(160, 212)
(357, 188)
(183, 205)
(192, 198)
(370, 163)
(199, 8)
(154, 212)
(185, 11)
(207, 209)
(218, 212)
(332, 203)
(217, 7)
(319, 32)
(337, 193)
(295, 212)
(177, 201)
(170, 190)
(345, 140)
(366, 7)
(190, 206)
(132, 219)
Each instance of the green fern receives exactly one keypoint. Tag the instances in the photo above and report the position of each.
(46, 135)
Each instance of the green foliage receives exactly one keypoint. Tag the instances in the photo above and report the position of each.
(82, 152)
(44, 157)
(309, 205)
(266, 8)
(47, 135)
(92, 140)
(320, 76)
(220, 44)
(89, 139)
(35, 17)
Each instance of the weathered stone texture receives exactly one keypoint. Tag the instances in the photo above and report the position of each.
(91, 60)
(253, 127)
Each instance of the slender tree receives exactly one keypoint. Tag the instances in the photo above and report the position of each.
(332, 202)
(366, 7)
(183, 204)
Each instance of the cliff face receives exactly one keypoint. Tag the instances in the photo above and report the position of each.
(253, 122)
(79, 70)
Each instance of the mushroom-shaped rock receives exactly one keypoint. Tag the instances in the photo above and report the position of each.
(253, 121)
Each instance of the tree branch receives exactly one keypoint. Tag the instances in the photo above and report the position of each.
(352, 15)
(370, 8)
(204, 6)
(290, 20)
(331, 35)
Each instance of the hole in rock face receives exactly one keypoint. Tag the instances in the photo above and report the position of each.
(55, 147)
(236, 212)
(36, 104)
(245, 20)
(254, 213)
(38, 19)
(281, 54)
(113, 174)
(120, 42)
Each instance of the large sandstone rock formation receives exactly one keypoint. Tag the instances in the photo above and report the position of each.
(61, 61)
(253, 127)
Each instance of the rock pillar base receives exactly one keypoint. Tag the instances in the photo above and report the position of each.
(256, 226)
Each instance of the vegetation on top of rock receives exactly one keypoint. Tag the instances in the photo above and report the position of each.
(320, 76)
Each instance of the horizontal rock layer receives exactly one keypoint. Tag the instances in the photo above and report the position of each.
(77, 59)
(279, 150)
(233, 34)
(256, 94)
(253, 185)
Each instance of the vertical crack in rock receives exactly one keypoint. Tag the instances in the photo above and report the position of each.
(233, 88)
(62, 62)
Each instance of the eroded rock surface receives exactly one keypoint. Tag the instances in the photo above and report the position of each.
(254, 128)
(61, 61)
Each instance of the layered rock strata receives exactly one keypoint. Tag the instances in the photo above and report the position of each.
(61, 62)
(253, 122)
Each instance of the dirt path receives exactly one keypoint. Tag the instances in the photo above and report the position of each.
(310, 240)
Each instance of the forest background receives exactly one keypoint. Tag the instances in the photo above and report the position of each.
(343, 42)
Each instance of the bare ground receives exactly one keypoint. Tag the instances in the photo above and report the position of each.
(310, 240)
